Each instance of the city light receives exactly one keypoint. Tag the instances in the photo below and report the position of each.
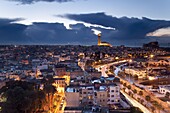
(151, 56)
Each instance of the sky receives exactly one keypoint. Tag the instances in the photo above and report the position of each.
(121, 22)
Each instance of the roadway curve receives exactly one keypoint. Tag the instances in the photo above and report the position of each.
(136, 103)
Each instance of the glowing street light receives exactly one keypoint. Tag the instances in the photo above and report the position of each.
(130, 60)
(116, 58)
(151, 56)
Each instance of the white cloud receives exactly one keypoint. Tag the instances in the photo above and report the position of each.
(96, 32)
(160, 32)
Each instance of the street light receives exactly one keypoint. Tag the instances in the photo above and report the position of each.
(129, 68)
(117, 58)
(130, 60)
(151, 56)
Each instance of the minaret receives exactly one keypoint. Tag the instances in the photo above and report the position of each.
(99, 40)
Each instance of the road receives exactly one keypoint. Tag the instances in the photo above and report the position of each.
(135, 103)
(110, 64)
(128, 82)
(131, 100)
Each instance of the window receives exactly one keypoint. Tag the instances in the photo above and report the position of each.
(95, 94)
(112, 96)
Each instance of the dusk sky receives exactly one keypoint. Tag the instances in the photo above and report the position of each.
(128, 22)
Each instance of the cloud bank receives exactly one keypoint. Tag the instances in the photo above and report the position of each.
(126, 28)
(127, 31)
(44, 33)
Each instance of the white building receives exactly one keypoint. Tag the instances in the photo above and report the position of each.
(100, 94)
(159, 62)
(141, 73)
(164, 89)
(113, 94)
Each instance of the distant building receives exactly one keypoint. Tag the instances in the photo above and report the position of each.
(72, 98)
(113, 94)
(151, 45)
(60, 70)
(164, 89)
(140, 73)
(102, 43)
(160, 62)
(104, 95)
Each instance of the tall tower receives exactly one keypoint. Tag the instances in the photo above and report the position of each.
(99, 40)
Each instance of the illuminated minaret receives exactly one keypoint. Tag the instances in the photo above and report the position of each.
(99, 40)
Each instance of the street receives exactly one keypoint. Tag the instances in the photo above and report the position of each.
(135, 103)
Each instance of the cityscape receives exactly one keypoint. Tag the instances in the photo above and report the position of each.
(82, 56)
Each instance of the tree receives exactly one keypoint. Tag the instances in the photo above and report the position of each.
(49, 91)
(121, 82)
(148, 98)
(129, 86)
(135, 110)
(21, 97)
(140, 93)
(124, 84)
(157, 105)
(167, 94)
(136, 77)
(124, 89)
(134, 91)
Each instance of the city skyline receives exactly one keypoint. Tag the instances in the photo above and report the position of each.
(130, 23)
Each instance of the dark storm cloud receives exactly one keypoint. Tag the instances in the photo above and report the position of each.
(43, 33)
(126, 28)
(129, 31)
(56, 33)
(33, 1)
(11, 32)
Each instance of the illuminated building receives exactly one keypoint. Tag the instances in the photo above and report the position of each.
(151, 45)
(102, 43)
(60, 70)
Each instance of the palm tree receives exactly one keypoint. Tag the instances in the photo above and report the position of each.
(124, 84)
(167, 94)
(157, 105)
(134, 91)
(140, 93)
(129, 87)
(50, 91)
(148, 98)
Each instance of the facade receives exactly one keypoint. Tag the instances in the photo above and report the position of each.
(86, 95)
(72, 99)
(102, 43)
(101, 97)
(60, 84)
(136, 72)
(104, 95)
(60, 70)
(164, 89)
(159, 63)
(113, 94)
